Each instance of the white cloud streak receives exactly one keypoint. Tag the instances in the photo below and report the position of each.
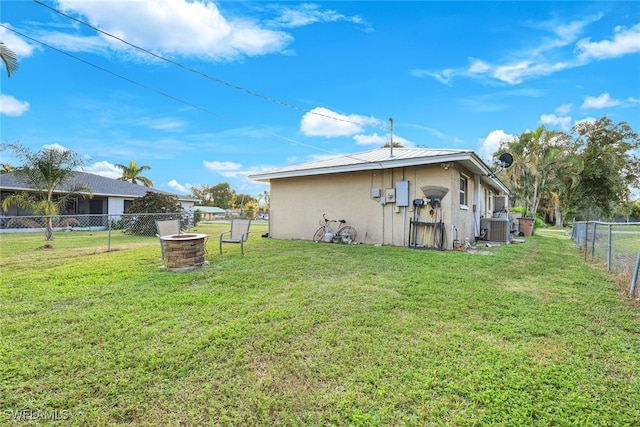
(179, 188)
(491, 143)
(198, 29)
(598, 102)
(519, 66)
(329, 124)
(624, 42)
(12, 107)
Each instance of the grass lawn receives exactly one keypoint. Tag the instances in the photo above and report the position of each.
(297, 333)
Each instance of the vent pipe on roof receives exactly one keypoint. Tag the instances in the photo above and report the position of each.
(391, 138)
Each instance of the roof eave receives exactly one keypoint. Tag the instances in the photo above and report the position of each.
(357, 167)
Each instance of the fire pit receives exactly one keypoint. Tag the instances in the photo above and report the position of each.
(184, 252)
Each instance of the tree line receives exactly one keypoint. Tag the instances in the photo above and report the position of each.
(223, 196)
(586, 174)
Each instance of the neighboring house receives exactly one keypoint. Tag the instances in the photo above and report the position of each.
(110, 196)
(379, 193)
(209, 213)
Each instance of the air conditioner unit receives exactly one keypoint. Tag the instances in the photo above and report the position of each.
(500, 203)
(485, 228)
(499, 230)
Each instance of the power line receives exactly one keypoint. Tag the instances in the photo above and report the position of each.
(193, 70)
(172, 97)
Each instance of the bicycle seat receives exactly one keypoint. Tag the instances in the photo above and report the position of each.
(342, 221)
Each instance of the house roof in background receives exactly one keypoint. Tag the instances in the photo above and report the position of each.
(209, 209)
(385, 158)
(100, 186)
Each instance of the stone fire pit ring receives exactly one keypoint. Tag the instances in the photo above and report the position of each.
(184, 252)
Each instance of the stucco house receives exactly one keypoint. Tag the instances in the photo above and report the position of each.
(110, 196)
(380, 193)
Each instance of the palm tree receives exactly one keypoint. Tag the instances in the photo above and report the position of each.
(539, 156)
(264, 197)
(131, 173)
(48, 173)
(9, 58)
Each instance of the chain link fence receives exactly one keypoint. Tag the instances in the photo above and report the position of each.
(132, 224)
(615, 244)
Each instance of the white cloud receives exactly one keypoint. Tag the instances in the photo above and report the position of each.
(17, 45)
(162, 124)
(12, 107)
(226, 169)
(198, 28)
(372, 139)
(179, 188)
(624, 42)
(478, 66)
(381, 140)
(324, 122)
(491, 143)
(104, 168)
(443, 76)
(548, 55)
(563, 109)
(551, 119)
(55, 146)
(585, 120)
(307, 14)
(602, 101)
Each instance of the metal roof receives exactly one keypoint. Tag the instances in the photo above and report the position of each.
(385, 158)
(100, 186)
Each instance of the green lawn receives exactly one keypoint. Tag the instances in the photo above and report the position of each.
(297, 333)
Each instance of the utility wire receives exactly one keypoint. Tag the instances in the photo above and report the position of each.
(172, 97)
(192, 70)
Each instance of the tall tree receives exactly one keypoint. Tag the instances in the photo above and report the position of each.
(538, 156)
(131, 173)
(218, 195)
(611, 166)
(9, 58)
(265, 199)
(48, 173)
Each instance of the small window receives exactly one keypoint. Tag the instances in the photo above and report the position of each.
(464, 189)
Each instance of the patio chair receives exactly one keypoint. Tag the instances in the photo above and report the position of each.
(239, 233)
(167, 228)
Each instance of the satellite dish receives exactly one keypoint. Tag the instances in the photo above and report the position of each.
(434, 194)
(506, 160)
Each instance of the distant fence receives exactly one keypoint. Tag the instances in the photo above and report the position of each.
(134, 224)
(615, 244)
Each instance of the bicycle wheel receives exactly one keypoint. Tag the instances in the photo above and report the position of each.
(319, 236)
(348, 234)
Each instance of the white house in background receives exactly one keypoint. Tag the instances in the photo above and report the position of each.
(110, 196)
(379, 192)
(209, 213)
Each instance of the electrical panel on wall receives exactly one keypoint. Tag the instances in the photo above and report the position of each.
(402, 193)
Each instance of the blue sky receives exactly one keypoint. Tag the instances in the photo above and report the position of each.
(239, 87)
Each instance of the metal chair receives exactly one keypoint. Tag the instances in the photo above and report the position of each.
(239, 233)
(167, 228)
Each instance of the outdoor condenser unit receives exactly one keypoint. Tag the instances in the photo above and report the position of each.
(499, 230)
(485, 224)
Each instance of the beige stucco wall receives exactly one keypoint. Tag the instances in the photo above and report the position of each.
(297, 204)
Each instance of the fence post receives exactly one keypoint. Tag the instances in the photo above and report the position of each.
(609, 248)
(109, 238)
(634, 279)
(586, 239)
(593, 242)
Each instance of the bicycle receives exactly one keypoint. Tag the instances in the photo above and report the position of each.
(328, 233)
